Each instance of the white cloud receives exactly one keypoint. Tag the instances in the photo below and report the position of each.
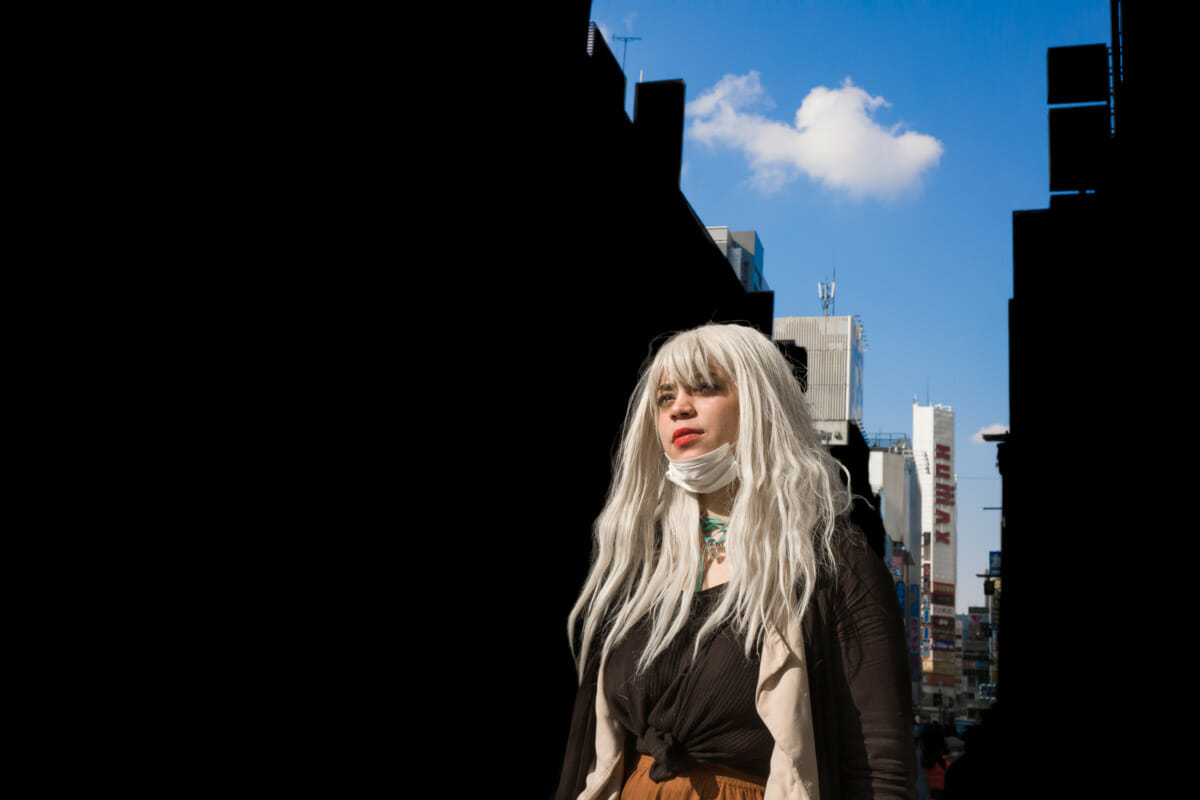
(834, 139)
(995, 427)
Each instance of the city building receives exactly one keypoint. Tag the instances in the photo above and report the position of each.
(744, 252)
(977, 662)
(585, 169)
(893, 476)
(933, 454)
(992, 590)
(1107, 214)
(832, 351)
(826, 354)
(893, 473)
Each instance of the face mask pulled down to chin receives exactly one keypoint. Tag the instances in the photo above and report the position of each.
(704, 473)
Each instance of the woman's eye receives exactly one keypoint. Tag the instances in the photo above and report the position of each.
(664, 400)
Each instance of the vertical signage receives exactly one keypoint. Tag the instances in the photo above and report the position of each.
(943, 494)
(938, 547)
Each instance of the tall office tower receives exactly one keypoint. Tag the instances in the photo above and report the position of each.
(832, 377)
(744, 251)
(933, 453)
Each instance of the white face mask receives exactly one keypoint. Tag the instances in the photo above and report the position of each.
(704, 473)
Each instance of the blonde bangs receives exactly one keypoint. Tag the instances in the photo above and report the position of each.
(689, 360)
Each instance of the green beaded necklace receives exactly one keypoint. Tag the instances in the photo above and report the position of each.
(715, 547)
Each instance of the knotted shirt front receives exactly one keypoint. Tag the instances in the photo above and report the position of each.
(683, 711)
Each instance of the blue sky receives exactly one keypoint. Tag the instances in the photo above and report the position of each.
(921, 128)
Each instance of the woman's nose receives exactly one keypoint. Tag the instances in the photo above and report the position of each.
(681, 406)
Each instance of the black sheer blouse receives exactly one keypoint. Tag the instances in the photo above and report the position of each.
(682, 711)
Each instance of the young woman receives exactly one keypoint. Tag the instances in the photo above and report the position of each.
(735, 636)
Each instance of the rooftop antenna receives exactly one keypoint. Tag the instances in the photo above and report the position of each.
(825, 292)
(626, 40)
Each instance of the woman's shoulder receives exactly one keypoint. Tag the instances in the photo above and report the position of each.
(855, 561)
(848, 539)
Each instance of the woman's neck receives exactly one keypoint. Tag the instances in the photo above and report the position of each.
(717, 504)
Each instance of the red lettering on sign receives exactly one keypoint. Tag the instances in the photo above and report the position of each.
(945, 494)
(940, 516)
(943, 537)
(943, 451)
(942, 471)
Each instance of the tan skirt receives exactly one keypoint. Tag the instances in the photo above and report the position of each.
(705, 782)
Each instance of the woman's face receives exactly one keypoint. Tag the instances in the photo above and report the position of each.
(696, 420)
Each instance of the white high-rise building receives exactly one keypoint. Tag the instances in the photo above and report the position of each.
(933, 453)
(833, 382)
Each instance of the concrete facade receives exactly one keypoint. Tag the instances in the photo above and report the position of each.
(933, 454)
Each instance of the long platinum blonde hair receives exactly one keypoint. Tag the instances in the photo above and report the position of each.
(646, 540)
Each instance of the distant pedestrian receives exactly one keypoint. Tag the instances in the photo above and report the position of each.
(975, 775)
(935, 759)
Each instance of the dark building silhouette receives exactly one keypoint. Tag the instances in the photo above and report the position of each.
(583, 251)
(477, 298)
(1075, 473)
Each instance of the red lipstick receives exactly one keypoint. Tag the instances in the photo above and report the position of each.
(685, 435)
